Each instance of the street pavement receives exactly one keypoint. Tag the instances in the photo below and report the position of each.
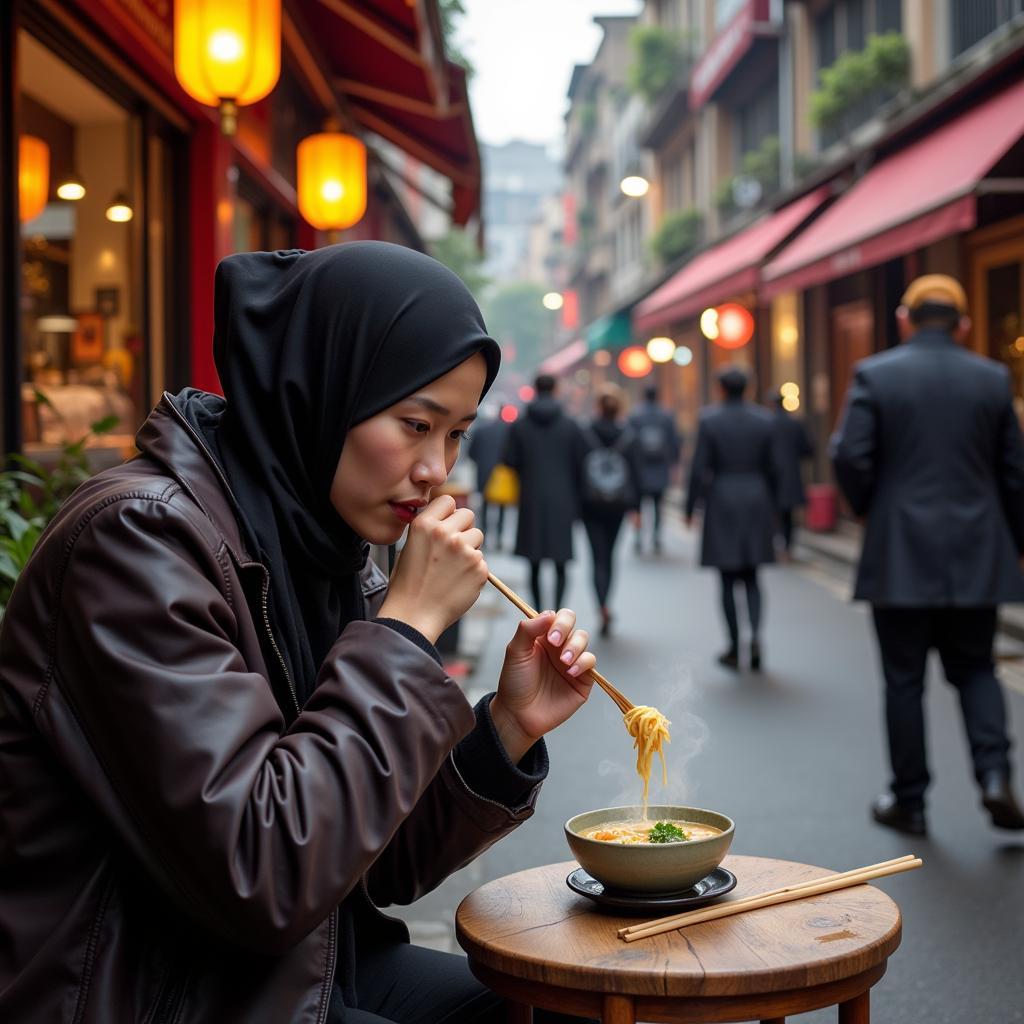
(794, 755)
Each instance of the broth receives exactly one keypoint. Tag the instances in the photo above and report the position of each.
(637, 833)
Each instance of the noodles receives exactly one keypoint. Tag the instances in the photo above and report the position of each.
(649, 729)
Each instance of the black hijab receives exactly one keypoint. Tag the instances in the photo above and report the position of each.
(307, 345)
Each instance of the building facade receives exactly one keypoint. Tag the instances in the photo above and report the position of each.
(106, 290)
(807, 160)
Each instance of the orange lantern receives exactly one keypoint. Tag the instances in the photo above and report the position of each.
(227, 53)
(332, 180)
(635, 362)
(735, 326)
(33, 176)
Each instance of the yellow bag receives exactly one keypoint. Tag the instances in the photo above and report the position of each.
(502, 486)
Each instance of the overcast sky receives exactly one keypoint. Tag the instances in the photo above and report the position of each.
(524, 52)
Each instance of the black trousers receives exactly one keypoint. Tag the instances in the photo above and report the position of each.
(748, 577)
(655, 498)
(963, 637)
(538, 598)
(408, 984)
(602, 532)
(786, 527)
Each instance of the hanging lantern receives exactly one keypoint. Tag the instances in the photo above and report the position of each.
(227, 53)
(635, 362)
(33, 176)
(332, 180)
(735, 325)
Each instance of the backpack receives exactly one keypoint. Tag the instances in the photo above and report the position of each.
(607, 479)
(652, 442)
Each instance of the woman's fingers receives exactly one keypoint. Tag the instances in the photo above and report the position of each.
(565, 619)
(583, 664)
(574, 647)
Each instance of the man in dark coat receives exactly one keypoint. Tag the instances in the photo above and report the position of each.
(545, 447)
(733, 473)
(487, 441)
(792, 446)
(930, 453)
(657, 449)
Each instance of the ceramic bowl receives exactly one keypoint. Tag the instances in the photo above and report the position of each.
(655, 867)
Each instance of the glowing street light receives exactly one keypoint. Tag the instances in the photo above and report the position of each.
(634, 186)
(683, 356)
(661, 350)
(553, 301)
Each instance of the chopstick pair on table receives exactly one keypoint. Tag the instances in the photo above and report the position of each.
(812, 887)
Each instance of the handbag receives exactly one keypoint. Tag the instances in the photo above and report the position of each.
(502, 486)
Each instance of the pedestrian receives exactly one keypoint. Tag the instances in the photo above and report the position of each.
(545, 447)
(930, 453)
(733, 475)
(486, 444)
(793, 445)
(610, 485)
(658, 448)
(226, 739)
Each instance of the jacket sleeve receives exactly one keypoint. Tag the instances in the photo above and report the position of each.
(255, 827)
(700, 467)
(512, 455)
(478, 797)
(1011, 470)
(854, 446)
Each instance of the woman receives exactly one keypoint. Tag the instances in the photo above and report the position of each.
(610, 486)
(227, 739)
(733, 475)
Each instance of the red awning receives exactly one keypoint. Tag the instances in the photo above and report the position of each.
(387, 57)
(565, 358)
(917, 196)
(728, 268)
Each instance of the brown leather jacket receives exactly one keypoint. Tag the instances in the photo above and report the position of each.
(175, 836)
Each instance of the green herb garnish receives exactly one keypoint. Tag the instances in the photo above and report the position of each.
(666, 832)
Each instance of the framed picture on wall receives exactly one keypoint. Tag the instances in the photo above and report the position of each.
(89, 339)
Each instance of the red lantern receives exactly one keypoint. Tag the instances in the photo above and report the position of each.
(735, 326)
(509, 413)
(635, 362)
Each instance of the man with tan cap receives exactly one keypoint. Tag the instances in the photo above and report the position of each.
(930, 453)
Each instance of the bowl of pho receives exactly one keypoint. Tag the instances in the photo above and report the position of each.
(668, 850)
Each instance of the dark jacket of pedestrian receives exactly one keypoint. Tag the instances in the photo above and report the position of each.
(929, 451)
(544, 447)
(793, 445)
(733, 476)
(487, 441)
(657, 446)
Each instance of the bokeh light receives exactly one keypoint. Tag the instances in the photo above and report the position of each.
(634, 362)
(661, 350)
(735, 326)
(709, 324)
(634, 186)
(509, 413)
(602, 357)
(683, 356)
(790, 390)
(553, 300)
(526, 393)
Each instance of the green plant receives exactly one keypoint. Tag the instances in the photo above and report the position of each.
(763, 163)
(724, 198)
(883, 65)
(659, 57)
(30, 495)
(677, 234)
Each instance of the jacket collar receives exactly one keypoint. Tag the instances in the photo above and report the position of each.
(930, 336)
(168, 437)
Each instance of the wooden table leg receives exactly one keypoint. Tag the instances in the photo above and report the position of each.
(518, 1013)
(618, 1010)
(856, 1010)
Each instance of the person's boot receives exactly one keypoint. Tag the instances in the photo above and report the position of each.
(888, 811)
(755, 656)
(998, 799)
(730, 658)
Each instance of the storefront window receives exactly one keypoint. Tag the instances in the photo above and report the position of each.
(80, 321)
(1005, 292)
(787, 364)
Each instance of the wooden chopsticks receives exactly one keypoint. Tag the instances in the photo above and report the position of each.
(798, 891)
(622, 702)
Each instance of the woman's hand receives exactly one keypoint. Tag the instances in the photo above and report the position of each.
(440, 572)
(542, 681)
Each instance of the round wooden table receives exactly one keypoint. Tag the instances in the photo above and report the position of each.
(535, 942)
